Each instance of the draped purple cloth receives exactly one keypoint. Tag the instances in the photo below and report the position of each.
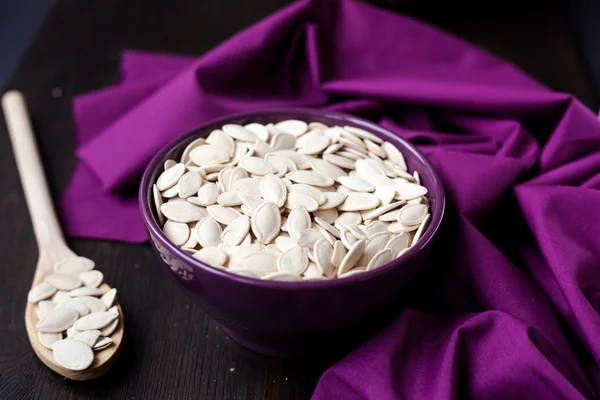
(508, 306)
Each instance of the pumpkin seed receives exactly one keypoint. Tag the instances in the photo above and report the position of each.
(72, 354)
(266, 222)
(57, 320)
(294, 261)
(91, 278)
(63, 281)
(40, 292)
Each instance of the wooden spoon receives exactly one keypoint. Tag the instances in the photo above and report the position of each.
(51, 243)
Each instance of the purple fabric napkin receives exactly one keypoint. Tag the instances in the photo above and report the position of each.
(508, 306)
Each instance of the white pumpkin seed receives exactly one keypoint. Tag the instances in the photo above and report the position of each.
(308, 237)
(322, 253)
(74, 266)
(327, 169)
(292, 126)
(48, 339)
(57, 320)
(183, 211)
(176, 232)
(229, 199)
(412, 214)
(328, 227)
(238, 132)
(44, 307)
(398, 243)
(63, 281)
(96, 320)
(359, 201)
(208, 232)
(294, 261)
(312, 272)
(81, 308)
(235, 232)
(251, 201)
(381, 258)
(72, 354)
(40, 292)
(170, 193)
(102, 343)
(71, 332)
(283, 141)
(298, 220)
(60, 296)
(256, 166)
(109, 297)
(421, 229)
(339, 251)
(328, 236)
(390, 215)
(308, 190)
(208, 155)
(169, 163)
(207, 195)
(409, 191)
(96, 304)
(285, 243)
(170, 177)
(189, 184)
(376, 226)
(157, 203)
(259, 130)
(185, 156)
(394, 155)
(316, 145)
(274, 190)
(212, 256)
(356, 183)
(91, 278)
(297, 199)
(88, 337)
(351, 258)
(110, 328)
(334, 199)
(222, 140)
(374, 244)
(300, 161)
(328, 216)
(374, 149)
(223, 215)
(347, 218)
(266, 222)
(307, 137)
(261, 263)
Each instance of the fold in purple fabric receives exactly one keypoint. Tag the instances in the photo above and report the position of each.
(508, 306)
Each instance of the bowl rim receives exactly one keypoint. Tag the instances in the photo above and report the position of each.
(144, 199)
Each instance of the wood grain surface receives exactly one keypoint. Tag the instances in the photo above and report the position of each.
(172, 350)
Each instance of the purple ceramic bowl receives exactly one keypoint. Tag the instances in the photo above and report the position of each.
(287, 318)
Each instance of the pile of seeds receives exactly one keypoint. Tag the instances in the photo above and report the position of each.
(70, 302)
(291, 201)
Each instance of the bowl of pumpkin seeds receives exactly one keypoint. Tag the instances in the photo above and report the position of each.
(291, 225)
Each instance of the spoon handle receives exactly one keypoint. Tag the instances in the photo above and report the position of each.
(50, 239)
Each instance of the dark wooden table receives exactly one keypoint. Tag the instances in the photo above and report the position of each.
(173, 350)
